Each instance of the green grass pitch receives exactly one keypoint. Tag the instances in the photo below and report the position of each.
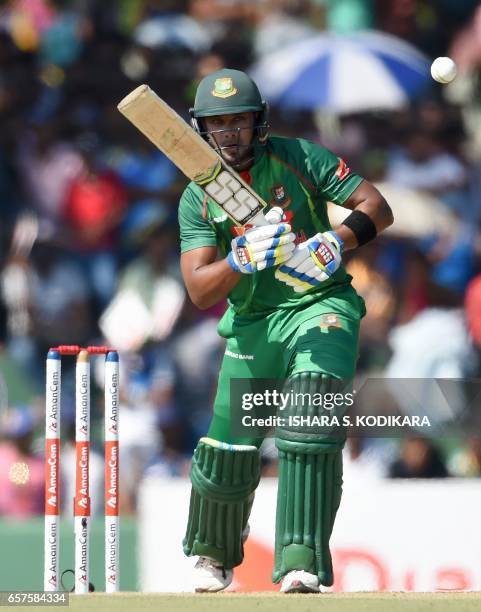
(273, 602)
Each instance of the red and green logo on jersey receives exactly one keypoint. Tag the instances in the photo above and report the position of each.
(280, 197)
(342, 170)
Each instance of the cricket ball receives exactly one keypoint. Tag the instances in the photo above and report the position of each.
(443, 70)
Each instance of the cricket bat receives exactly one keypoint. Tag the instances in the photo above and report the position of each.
(193, 156)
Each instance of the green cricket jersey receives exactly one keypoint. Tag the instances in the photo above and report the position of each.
(295, 174)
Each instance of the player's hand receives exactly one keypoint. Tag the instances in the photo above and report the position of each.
(262, 247)
(312, 262)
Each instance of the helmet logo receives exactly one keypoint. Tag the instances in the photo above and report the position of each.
(224, 87)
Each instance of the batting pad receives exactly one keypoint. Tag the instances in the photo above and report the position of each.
(224, 478)
(309, 492)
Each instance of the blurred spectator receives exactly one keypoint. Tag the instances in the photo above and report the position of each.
(48, 305)
(197, 351)
(206, 64)
(365, 459)
(345, 16)
(47, 165)
(472, 306)
(95, 202)
(397, 17)
(419, 292)
(61, 43)
(443, 355)
(22, 482)
(432, 343)
(467, 461)
(164, 25)
(379, 295)
(142, 406)
(229, 27)
(452, 261)
(423, 164)
(149, 297)
(419, 458)
(3, 326)
(466, 46)
(59, 298)
(9, 197)
(282, 23)
(443, 121)
(144, 170)
(207, 11)
(29, 20)
(171, 462)
(429, 25)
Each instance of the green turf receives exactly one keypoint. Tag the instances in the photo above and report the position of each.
(274, 602)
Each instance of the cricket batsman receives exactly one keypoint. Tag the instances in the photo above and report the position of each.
(292, 315)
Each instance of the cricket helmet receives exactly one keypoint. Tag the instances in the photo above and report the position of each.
(226, 92)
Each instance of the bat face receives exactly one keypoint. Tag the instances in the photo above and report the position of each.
(192, 155)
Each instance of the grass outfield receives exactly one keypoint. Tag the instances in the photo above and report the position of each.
(274, 602)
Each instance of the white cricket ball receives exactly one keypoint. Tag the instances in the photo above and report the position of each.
(443, 70)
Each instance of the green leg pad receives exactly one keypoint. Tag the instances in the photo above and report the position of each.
(224, 478)
(309, 495)
(309, 492)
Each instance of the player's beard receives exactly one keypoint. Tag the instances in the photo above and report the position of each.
(239, 157)
(242, 158)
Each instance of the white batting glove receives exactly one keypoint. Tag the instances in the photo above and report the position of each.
(262, 247)
(312, 262)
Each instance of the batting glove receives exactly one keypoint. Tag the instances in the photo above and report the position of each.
(313, 262)
(262, 247)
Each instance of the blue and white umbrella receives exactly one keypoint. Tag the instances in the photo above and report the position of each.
(344, 73)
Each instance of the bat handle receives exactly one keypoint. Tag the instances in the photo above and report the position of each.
(259, 220)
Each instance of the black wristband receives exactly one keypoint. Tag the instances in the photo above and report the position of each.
(362, 226)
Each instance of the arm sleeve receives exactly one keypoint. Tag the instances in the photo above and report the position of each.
(195, 231)
(333, 178)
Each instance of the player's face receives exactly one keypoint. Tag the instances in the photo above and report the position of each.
(232, 136)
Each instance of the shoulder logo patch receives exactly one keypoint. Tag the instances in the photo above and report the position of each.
(342, 170)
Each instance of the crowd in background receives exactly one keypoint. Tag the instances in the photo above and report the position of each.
(89, 237)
